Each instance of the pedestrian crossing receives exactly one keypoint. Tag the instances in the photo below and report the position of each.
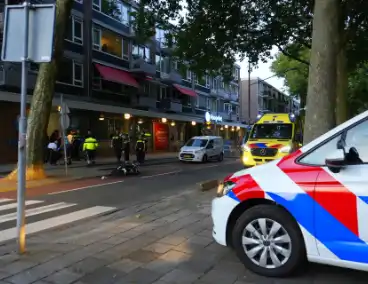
(42, 215)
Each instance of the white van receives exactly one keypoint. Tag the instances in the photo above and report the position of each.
(203, 149)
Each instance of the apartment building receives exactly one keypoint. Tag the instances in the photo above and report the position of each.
(263, 98)
(108, 82)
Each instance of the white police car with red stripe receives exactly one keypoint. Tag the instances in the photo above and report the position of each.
(311, 205)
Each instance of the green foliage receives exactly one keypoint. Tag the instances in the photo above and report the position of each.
(294, 72)
(214, 33)
(110, 7)
(358, 90)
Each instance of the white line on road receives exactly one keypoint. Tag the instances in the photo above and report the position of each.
(3, 200)
(36, 211)
(210, 166)
(11, 233)
(14, 205)
(85, 187)
(162, 174)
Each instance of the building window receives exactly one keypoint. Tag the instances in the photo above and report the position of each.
(114, 9)
(189, 75)
(236, 73)
(160, 37)
(208, 103)
(70, 72)
(161, 93)
(74, 31)
(158, 62)
(208, 81)
(227, 107)
(110, 42)
(196, 101)
(141, 52)
(165, 61)
(175, 65)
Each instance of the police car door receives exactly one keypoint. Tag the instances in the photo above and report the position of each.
(342, 202)
(210, 149)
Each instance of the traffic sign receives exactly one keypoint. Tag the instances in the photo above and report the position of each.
(40, 35)
(64, 121)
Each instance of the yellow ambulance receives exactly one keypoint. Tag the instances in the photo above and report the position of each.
(273, 136)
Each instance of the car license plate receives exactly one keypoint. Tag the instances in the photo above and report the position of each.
(186, 156)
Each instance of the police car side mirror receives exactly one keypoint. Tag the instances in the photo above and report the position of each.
(336, 161)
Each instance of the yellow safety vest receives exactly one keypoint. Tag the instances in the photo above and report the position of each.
(90, 144)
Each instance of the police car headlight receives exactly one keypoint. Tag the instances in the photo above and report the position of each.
(245, 148)
(285, 149)
(224, 188)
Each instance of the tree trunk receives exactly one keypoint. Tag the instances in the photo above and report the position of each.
(42, 98)
(321, 99)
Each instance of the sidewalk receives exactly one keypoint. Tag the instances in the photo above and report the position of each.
(7, 168)
(168, 241)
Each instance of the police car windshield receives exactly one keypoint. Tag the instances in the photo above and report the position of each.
(197, 143)
(272, 131)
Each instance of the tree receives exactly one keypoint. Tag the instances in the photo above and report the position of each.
(212, 33)
(296, 79)
(42, 97)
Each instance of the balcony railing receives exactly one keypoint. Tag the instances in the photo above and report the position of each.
(171, 77)
(142, 66)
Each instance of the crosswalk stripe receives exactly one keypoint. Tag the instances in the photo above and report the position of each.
(14, 205)
(36, 211)
(53, 222)
(3, 200)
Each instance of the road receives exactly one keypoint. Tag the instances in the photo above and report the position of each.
(67, 203)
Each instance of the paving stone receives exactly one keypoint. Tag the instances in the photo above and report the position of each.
(173, 240)
(8, 258)
(217, 276)
(141, 276)
(159, 247)
(64, 276)
(180, 276)
(4, 275)
(87, 265)
(17, 266)
(199, 240)
(126, 265)
(116, 240)
(143, 256)
(205, 233)
(103, 275)
(176, 257)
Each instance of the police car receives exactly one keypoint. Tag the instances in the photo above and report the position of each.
(310, 205)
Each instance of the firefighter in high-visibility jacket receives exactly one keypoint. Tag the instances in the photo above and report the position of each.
(90, 146)
(140, 149)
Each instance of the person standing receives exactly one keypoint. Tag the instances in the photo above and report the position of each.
(77, 142)
(90, 146)
(117, 144)
(126, 146)
(140, 150)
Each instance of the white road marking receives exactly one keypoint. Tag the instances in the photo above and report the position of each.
(50, 223)
(85, 187)
(15, 205)
(3, 200)
(162, 174)
(36, 211)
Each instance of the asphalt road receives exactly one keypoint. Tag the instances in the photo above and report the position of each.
(154, 182)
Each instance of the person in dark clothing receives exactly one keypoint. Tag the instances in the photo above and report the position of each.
(77, 143)
(140, 149)
(117, 144)
(126, 146)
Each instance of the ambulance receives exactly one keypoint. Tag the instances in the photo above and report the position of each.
(273, 136)
(311, 205)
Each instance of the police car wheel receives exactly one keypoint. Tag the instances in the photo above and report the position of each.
(204, 159)
(269, 242)
(221, 157)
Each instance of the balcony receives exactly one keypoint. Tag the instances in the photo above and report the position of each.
(170, 106)
(172, 77)
(143, 102)
(141, 66)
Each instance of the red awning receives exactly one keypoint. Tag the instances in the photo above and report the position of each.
(116, 75)
(185, 91)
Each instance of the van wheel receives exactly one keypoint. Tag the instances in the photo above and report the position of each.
(269, 242)
(204, 159)
(221, 157)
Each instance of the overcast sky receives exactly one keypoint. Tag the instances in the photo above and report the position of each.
(262, 72)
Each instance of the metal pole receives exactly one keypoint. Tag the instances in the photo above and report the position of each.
(63, 122)
(22, 143)
(249, 97)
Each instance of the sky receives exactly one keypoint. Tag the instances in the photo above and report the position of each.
(263, 71)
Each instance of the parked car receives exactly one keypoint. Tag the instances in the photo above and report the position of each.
(310, 205)
(202, 149)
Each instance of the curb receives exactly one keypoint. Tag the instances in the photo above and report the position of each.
(208, 185)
